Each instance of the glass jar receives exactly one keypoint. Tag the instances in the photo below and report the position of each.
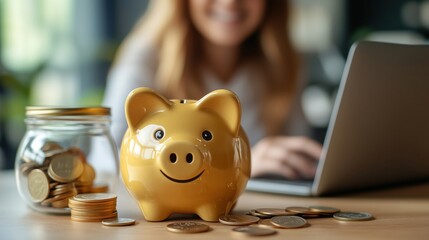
(65, 151)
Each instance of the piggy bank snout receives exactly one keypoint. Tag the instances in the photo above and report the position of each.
(181, 162)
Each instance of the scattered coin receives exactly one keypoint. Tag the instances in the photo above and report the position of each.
(353, 216)
(118, 222)
(238, 220)
(187, 227)
(38, 185)
(253, 212)
(299, 210)
(254, 231)
(266, 223)
(275, 212)
(324, 209)
(288, 221)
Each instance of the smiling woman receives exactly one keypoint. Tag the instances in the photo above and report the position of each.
(185, 49)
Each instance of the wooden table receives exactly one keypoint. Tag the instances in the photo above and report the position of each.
(401, 213)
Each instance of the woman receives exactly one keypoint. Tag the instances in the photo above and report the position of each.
(185, 49)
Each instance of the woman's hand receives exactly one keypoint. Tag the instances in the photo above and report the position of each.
(291, 157)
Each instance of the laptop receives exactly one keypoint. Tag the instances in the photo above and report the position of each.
(378, 134)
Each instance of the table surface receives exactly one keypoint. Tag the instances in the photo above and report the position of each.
(400, 213)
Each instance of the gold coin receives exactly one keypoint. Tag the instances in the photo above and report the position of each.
(87, 213)
(49, 146)
(299, 210)
(275, 212)
(99, 188)
(288, 221)
(65, 168)
(238, 220)
(51, 153)
(77, 152)
(324, 209)
(187, 227)
(53, 184)
(59, 191)
(93, 219)
(253, 212)
(38, 185)
(353, 216)
(95, 197)
(266, 223)
(88, 174)
(111, 222)
(79, 204)
(63, 203)
(254, 231)
(50, 200)
(68, 186)
(27, 167)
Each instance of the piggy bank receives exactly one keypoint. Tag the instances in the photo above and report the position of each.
(184, 156)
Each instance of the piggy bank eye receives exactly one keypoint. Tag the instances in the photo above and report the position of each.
(207, 135)
(159, 134)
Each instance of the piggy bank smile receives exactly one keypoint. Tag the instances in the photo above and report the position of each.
(182, 181)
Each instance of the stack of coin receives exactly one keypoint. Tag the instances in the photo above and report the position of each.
(61, 172)
(93, 207)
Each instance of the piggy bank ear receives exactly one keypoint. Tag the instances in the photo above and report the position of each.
(141, 103)
(225, 104)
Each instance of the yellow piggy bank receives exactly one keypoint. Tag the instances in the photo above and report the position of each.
(184, 156)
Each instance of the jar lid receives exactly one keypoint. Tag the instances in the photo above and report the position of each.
(37, 111)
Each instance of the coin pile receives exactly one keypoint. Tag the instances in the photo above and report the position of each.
(55, 174)
(290, 217)
(93, 207)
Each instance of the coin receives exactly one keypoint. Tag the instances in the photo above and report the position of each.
(99, 188)
(27, 167)
(238, 220)
(288, 221)
(187, 227)
(275, 212)
(323, 209)
(95, 197)
(38, 185)
(65, 168)
(88, 174)
(299, 210)
(266, 223)
(118, 222)
(93, 219)
(353, 216)
(254, 231)
(77, 152)
(49, 146)
(253, 212)
(63, 203)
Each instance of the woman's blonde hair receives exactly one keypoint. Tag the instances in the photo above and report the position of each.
(167, 24)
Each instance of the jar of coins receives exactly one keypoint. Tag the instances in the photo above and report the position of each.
(65, 151)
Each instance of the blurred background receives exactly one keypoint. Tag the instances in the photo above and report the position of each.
(58, 52)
